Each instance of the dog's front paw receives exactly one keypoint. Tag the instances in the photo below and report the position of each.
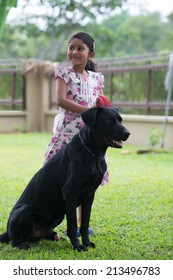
(80, 248)
(86, 242)
(89, 244)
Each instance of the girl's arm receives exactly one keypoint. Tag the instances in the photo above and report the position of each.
(63, 102)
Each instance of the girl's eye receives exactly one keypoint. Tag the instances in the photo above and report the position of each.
(80, 49)
(71, 48)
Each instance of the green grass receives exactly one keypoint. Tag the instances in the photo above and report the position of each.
(132, 217)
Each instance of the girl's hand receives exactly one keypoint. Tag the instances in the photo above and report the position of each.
(98, 101)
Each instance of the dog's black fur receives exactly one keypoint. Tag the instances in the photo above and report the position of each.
(68, 180)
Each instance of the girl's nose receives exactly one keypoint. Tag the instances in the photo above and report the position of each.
(74, 51)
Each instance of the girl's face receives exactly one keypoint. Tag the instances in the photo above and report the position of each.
(78, 52)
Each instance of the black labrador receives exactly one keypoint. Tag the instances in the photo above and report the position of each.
(68, 180)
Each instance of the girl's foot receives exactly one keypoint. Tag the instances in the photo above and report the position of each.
(90, 231)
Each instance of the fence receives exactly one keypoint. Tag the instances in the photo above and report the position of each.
(12, 90)
(135, 91)
(135, 85)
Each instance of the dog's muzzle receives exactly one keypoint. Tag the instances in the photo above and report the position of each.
(113, 143)
(117, 143)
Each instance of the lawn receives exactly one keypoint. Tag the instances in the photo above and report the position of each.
(132, 217)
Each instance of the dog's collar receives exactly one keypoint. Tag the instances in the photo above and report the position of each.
(88, 148)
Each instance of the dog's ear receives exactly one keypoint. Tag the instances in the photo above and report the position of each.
(116, 109)
(89, 116)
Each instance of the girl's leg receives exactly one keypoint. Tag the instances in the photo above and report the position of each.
(79, 219)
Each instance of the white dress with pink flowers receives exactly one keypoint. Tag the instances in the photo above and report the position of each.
(83, 91)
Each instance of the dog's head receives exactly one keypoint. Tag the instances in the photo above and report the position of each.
(107, 125)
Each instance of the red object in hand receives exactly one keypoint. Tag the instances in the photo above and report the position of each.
(104, 101)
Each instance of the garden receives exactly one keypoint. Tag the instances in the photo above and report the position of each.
(132, 217)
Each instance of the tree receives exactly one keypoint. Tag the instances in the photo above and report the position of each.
(4, 9)
(74, 12)
(118, 35)
(60, 18)
(128, 35)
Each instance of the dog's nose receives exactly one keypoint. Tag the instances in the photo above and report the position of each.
(126, 134)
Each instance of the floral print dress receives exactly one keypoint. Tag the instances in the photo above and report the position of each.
(82, 90)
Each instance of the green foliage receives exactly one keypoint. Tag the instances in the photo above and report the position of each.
(131, 217)
(116, 35)
(134, 34)
(4, 9)
(76, 12)
(60, 19)
(155, 136)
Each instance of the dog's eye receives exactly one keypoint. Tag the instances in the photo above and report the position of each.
(110, 121)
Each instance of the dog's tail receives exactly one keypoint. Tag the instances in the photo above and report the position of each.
(4, 237)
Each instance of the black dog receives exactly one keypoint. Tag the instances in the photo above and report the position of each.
(68, 180)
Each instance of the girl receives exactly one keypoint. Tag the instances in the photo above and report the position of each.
(78, 88)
